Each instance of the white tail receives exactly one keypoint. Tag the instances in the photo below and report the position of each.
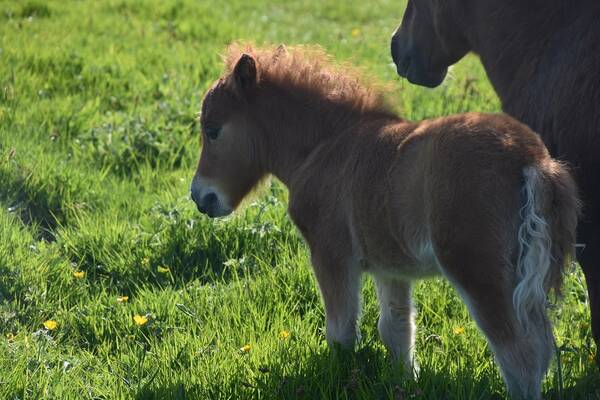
(535, 253)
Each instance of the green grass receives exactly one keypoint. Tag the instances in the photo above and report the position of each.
(98, 144)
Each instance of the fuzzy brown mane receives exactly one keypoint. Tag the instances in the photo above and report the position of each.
(309, 69)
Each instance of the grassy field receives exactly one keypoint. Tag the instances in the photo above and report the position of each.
(98, 144)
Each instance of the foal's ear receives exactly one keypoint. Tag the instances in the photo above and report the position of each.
(245, 74)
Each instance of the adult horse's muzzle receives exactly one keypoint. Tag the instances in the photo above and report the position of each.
(411, 64)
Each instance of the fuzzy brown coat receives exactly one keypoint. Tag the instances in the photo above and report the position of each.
(475, 197)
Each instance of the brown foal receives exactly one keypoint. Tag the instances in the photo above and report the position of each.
(474, 197)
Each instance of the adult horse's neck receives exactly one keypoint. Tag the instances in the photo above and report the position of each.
(297, 123)
(514, 38)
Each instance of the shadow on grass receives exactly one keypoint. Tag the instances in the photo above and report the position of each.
(43, 198)
(366, 374)
(586, 387)
(173, 245)
(177, 255)
(33, 206)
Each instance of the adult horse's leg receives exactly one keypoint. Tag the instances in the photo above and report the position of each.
(339, 281)
(589, 260)
(589, 234)
(397, 320)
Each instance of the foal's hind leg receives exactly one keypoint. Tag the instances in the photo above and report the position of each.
(523, 356)
(396, 320)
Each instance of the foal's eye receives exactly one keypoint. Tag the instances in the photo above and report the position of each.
(212, 133)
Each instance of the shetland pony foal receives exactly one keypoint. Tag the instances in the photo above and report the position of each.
(474, 197)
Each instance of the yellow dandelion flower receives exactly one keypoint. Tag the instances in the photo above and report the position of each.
(50, 324)
(245, 348)
(458, 330)
(122, 299)
(284, 334)
(140, 320)
(79, 274)
(355, 32)
(163, 270)
(145, 261)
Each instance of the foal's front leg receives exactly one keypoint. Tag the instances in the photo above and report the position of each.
(396, 320)
(339, 281)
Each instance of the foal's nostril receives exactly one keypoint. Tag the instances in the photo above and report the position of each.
(209, 199)
(205, 204)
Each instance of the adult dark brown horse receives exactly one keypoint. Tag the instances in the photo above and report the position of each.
(543, 59)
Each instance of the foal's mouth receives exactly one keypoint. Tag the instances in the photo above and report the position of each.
(215, 213)
(210, 205)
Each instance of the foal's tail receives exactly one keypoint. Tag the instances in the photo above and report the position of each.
(546, 236)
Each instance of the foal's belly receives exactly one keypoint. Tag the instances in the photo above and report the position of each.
(392, 250)
(420, 263)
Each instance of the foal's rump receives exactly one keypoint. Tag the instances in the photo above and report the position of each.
(502, 216)
(496, 197)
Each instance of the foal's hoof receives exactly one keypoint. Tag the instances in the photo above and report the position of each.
(340, 350)
(410, 368)
(411, 371)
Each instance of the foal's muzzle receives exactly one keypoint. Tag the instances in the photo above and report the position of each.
(209, 203)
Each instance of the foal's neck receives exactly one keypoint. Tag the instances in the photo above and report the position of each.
(297, 123)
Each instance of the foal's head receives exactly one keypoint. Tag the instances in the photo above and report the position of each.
(428, 41)
(268, 99)
(229, 167)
